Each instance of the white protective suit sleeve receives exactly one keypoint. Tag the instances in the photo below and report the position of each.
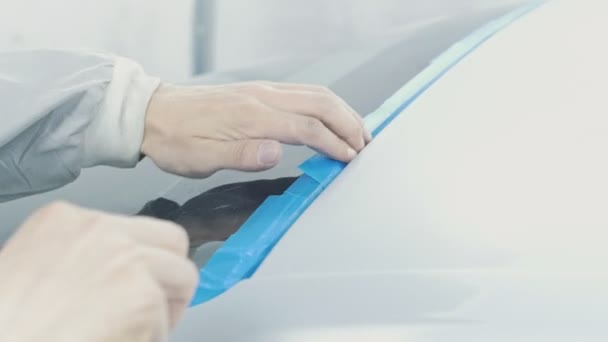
(64, 110)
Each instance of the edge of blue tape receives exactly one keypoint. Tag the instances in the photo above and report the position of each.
(241, 255)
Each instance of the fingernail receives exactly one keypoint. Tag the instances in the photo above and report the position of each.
(269, 153)
(351, 153)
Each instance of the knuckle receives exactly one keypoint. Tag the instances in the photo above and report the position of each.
(239, 154)
(329, 105)
(241, 108)
(174, 236)
(313, 128)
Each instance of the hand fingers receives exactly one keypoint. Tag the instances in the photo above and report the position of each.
(141, 230)
(293, 87)
(95, 259)
(260, 153)
(162, 247)
(303, 130)
(155, 233)
(324, 90)
(177, 276)
(323, 107)
(149, 314)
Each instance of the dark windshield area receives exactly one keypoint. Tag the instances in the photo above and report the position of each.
(216, 214)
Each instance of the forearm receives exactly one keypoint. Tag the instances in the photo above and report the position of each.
(62, 111)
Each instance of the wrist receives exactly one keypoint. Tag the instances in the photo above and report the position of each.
(153, 128)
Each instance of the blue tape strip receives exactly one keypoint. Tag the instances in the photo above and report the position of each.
(243, 252)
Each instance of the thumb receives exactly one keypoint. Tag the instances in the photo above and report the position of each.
(248, 155)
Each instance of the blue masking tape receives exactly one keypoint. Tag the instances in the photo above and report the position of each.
(243, 252)
(241, 255)
(322, 169)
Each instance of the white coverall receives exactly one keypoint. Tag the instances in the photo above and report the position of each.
(62, 111)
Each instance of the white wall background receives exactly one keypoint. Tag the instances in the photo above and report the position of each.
(154, 32)
(158, 32)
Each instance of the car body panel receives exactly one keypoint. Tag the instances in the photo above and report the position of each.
(477, 214)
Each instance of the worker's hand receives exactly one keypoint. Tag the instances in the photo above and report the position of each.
(70, 274)
(196, 131)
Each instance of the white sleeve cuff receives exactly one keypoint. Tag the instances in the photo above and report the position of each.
(115, 135)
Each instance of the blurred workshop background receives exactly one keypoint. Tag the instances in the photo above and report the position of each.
(176, 39)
